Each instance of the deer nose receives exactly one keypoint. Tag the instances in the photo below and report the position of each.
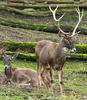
(73, 50)
(6, 66)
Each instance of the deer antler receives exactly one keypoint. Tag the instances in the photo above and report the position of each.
(58, 20)
(80, 18)
(2, 48)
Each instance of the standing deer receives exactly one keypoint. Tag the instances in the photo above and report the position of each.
(52, 56)
(18, 75)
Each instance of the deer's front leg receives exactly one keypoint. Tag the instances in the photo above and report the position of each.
(7, 81)
(39, 76)
(39, 73)
(61, 81)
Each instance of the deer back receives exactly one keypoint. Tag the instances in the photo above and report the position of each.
(40, 45)
(25, 75)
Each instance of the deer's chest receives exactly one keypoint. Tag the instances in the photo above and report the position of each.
(57, 63)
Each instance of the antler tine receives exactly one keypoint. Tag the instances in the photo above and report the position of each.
(53, 12)
(80, 18)
(64, 33)
(57, 20)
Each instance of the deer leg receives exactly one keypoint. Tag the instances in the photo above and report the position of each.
(44, 79)
(61, 82)
(39, 74)
(51, 79)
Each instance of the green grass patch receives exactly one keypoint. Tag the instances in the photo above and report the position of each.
(81, 48)
(74, 83)
(30, 46)
(14, 46)
(29, 56)
(77, 56)
(39, 27)
(39, 12)
(32, 57)
(19, 64)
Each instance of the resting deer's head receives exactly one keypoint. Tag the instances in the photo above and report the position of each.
(67, 40)
(7, 59)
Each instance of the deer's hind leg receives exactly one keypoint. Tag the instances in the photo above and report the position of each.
(61, 81)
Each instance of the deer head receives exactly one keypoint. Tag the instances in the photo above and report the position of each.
(7, 59)
(67, 40)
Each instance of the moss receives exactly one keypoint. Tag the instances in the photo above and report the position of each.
(81, 48)
(14, 46)
(36, 12)
(29, 56)
(77, 56)
(32, 57)
(30, 46)
(45, 5)
(40, 27)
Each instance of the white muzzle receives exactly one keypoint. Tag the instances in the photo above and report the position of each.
(6, 66)
(73, 50)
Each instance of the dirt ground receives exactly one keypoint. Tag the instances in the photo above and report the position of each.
(24, 35)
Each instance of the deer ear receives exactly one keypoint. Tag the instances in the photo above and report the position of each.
(3, 53)
(14, 56)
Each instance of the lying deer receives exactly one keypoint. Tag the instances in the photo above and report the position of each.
(18, 75)
(52, 56)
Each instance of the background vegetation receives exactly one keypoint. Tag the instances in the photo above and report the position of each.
(25, 22)
(75, 83)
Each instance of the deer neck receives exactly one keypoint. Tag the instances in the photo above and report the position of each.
(61, 49)
(8, 72)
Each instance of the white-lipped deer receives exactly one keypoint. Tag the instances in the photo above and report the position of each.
(23, 76)
(51, 55)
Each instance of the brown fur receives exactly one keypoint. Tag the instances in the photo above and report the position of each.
(22, 76)
(18, 75)
(25, 76)
(51, 56)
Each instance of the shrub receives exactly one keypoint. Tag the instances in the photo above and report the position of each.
(30, 46)
(29, 56)
(40, 27)
(81, 48)
(25, 46)
(32, 57)
(77, 56)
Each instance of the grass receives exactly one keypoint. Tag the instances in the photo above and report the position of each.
(74, 77)
(75, 72)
